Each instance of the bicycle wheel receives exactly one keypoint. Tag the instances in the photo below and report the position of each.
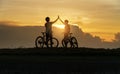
(74, 42)
(39, 43)
(69, 45)
(66, 44)
(54, 43)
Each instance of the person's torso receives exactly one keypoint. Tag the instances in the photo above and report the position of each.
(48, 27)
(67, 28)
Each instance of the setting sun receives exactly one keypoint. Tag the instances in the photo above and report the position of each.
(61, 26)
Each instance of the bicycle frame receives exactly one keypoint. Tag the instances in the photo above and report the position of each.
(40, 41)
(69, 40)
(44, 36)
(70, 36)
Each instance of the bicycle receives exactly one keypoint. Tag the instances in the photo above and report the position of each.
(40, 41)
(70, 42)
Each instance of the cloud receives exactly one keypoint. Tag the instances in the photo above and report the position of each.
(117, 36)
(8, 23)
(15, 37)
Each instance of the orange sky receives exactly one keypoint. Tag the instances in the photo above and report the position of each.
(98, 17)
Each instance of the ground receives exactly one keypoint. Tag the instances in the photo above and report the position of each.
(59, 61)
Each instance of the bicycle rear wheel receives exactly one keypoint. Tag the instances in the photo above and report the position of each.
(74, 42)
(39, 43)
(54, 43)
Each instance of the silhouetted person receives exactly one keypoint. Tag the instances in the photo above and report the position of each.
(48, 26)
(66, 29)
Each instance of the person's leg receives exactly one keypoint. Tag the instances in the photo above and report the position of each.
(65, 39)
(47, 37)
(51, 39)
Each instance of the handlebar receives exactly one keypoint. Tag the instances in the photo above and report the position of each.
(43, 33)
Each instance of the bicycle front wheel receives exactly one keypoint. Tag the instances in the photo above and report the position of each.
(66, 43)
(39, 43)
(74, 42)
(52, 43)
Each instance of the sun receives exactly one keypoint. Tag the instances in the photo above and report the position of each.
(60, 26)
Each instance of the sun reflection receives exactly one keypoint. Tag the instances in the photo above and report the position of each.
(60, 26)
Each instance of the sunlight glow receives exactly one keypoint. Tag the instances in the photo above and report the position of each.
(61, 26)
(75, 24)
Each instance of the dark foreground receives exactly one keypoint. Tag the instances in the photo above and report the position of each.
(60, 61)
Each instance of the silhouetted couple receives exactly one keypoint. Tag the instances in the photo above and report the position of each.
(48, 26)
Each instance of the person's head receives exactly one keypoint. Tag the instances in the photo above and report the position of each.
(66, 21)
(47, 19)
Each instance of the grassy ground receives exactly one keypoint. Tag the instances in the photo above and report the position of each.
(60, 61)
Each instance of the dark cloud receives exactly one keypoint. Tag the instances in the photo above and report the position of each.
(15, 37)
(88, 40)
(8, 23)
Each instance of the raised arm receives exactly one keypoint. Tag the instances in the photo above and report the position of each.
(55, 20)
(61, 20)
